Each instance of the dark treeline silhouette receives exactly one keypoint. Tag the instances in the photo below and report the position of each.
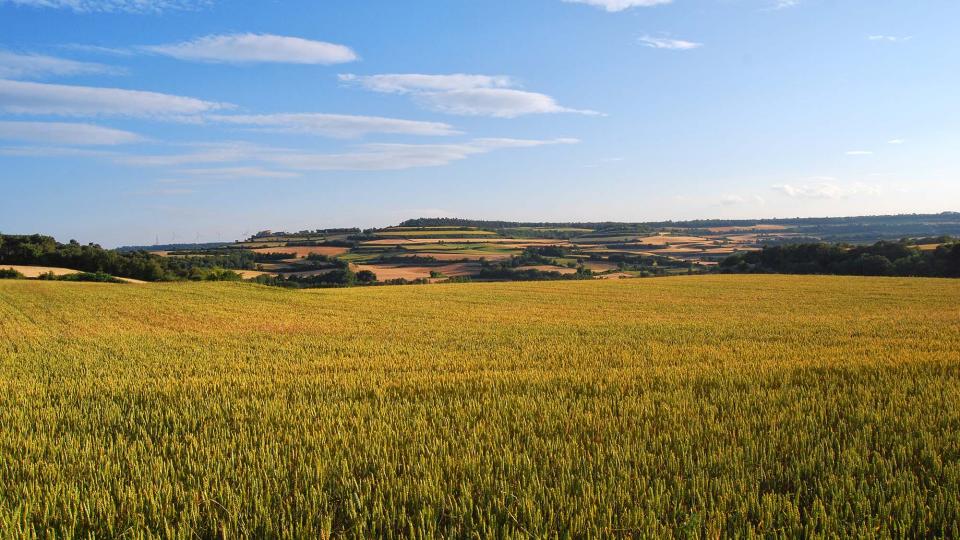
(338, 277)
(40, 250)
(883, 258)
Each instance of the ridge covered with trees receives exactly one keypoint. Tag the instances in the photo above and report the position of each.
(883, 258)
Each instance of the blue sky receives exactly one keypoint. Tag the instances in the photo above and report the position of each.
(125, 120)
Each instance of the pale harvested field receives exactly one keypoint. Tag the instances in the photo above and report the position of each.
(250, 274)
(37, 271)
(393, 271)
(548, 268)
(303, 251)
(598, 266)
(515, 241)
(660, 240)
(617, 275)
(928, 247)
(435, 233)
(474, 255)
(309, 273)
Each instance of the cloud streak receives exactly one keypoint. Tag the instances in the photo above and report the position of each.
(65, 134)
(463, 94)
(256, 48)
(32, 66)
(335, 125)
(890, 39)
(827, 190)
(112, 6)
(18, 97)
(669, 44)
(367, 157)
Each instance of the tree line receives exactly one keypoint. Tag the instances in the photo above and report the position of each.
(901, 258)
(40, 250)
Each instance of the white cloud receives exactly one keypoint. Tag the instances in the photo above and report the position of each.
(54, 151)
(369, 157)
(619, 5)
(29, 66)
(65, 134)
(859, 153)
(463, 94)
(405, 83)
(667, 43)
(112, 6)
(496, 102)
(890, 39)
(336, 125)
(257, 48)
(896, 141)
(827, 190)
(19, 97)
(733, 200)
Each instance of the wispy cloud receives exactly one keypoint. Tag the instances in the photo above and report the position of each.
(406, 83)
(859, 152)
(619, 5)
(463, 94)
(18, 97)
(890, 39)
(368, 157)
(784, 4)
(113, 6)
(31, 66)
(58, 133)
(735, 200)
(220, 173)
(896, 141)
(827, 190)
(257, 48)
(335, 125)
(668, 43)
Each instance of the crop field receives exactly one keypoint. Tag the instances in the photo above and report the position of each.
(699, 406)
(301, 251)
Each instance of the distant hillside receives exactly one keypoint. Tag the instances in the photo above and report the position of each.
(853, 229)
(176, 247)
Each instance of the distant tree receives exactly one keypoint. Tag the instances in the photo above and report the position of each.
(366, 276)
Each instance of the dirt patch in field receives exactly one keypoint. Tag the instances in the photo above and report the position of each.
(597, 266)
(928, 247)
(303, 251)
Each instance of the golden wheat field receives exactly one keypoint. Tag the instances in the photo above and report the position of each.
(701, 406)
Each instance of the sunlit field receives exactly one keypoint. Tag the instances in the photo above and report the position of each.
(705, 406)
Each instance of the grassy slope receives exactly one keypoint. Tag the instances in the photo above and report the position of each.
(733, 404)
